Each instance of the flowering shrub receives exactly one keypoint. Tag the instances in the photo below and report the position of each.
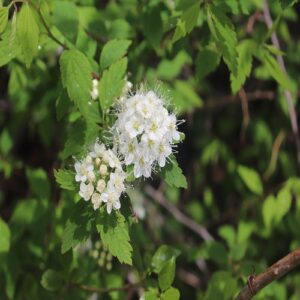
(101, 105)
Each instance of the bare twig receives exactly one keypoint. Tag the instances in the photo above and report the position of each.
(288, 95)
(178, 215)
(276, 271)
(275, 151)
(125, 287)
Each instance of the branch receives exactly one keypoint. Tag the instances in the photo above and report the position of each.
(288, 95)
(108, 290)
(178, 215)
(276, 271)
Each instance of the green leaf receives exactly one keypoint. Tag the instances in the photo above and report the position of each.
(245, 51)
(283, 204)
(114, 234)
(152, 25)
(224, 35)
(76, 73)
(187, 22)
(206, 62)
(5, 142)
(113, 51)
(112, 83)
(251, 179)
(171, 294)
(269, 210)
(167, 274)
(4, 237)
(271, 64)
(28, 33)
(162, 255)
(173, 176)
(39, 182)
(3, 18)
(52, 280)
(78, 226)
(75, 140)
(150, 295)
(65, 179)
(65, 18)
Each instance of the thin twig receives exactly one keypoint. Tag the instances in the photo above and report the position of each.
(108, 290)
(178, 215)
(287, 93)
(276, 271)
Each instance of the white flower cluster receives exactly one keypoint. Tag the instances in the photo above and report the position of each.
(101, 177)
(145, 132)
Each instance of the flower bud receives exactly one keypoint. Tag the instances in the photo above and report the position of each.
(103, 170)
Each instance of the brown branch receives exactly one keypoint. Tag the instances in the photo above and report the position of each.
(276, 271)
(178, 215)
(287, 93)
(125, 287)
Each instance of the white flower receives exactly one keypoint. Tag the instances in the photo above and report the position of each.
(96, 200)
(95, 92)
(102, 177)
(111, 198)
(145, 132)
(86, 190)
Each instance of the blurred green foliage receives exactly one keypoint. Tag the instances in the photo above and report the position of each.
(215, 63)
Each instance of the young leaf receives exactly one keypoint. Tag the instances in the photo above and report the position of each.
(251, 179)
(113, 51)
(167, 274)
(173, 176)
(114, 234)
(52, 280)
(162, 255)
(65, 179)
(3, 18)
(187, 22)
(39, 182)
(111, 83)
(28, 33)
(78, 226)
(224, 36)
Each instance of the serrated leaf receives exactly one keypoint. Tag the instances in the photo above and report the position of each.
(113, 51)
(65, 179)
(206, 62)
(171, 294)
(65, 18)
(187, 22)
(111, 83)
(224, 36)
(283, 204)
(251, 179)
(52, 280)
(28, 33)
(167, 274)
(78, 226)
(3, 18)
(76, 73)
(245, 51)
(173, 176)
(114, 234)
(269, 210)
